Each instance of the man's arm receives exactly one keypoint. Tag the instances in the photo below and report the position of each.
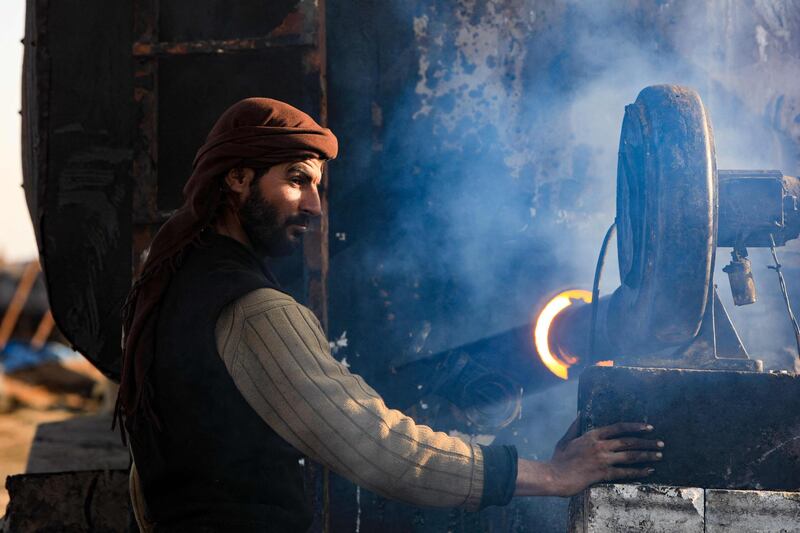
(280, 361)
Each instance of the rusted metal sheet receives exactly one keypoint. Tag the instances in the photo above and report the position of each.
(187, 20)
(77, 165)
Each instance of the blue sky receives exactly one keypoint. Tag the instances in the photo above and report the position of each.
(17, 242)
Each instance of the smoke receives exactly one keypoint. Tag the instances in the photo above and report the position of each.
(500, 152)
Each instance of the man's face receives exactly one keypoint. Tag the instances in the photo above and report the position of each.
(279, 206)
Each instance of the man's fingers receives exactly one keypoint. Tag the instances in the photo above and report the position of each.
(620, 428)
(633, 443)
(615, 474)
(631, 457)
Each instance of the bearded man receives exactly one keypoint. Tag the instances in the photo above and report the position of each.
(228, 382)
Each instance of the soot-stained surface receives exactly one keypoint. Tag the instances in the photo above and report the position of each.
(735, 430)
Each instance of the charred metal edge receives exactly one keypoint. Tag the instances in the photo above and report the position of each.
(316, 247)
(302, 27)
(39, 71)
(36, 109)
(146, 218)
(225, 46)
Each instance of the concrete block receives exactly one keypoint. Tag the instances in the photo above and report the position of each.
(658, 508)
(637, 508)
(722, 429)
(752, 511)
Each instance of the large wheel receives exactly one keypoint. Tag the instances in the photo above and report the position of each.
(666, 220)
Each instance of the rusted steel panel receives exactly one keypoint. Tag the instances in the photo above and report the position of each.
(218, 46)
(188, 20)
(77, 169)
(145, 209)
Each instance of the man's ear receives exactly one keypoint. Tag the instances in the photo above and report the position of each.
(238, 181)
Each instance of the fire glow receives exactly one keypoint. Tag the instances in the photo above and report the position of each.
(555, 360)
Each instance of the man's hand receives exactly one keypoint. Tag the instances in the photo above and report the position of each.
(602, 454)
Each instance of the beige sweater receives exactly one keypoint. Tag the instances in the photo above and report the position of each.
(280, 360)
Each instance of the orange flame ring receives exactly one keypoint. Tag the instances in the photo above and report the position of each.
(541, 331)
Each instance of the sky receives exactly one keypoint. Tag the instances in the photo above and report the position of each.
(17, 242)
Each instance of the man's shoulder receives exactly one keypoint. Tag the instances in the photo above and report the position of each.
(246, 310)
(263, 300)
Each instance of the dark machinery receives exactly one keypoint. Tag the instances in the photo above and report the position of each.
(674, 209)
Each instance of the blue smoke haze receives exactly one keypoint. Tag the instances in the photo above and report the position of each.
(500, 155)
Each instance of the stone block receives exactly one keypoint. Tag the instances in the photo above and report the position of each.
(752, 511)
(722, 429)
(637, 508)
(629, 508)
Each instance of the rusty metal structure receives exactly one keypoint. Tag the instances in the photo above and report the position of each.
(474, 180)
(105, 162)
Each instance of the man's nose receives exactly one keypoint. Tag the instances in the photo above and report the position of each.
(310, 202)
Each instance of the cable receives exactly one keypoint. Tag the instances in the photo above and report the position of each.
(785, 292)
(598, 272)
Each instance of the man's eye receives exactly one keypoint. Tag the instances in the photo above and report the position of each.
(296, 180)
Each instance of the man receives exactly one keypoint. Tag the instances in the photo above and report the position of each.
(228, 382)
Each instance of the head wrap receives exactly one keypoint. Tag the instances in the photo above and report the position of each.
(255, 132)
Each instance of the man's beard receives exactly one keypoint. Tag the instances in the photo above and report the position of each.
(268, 233)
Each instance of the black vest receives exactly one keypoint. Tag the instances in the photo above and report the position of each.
(214, 465)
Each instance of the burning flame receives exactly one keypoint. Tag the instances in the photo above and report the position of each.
(557, 363)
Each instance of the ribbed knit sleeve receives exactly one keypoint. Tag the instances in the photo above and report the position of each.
(279, 358)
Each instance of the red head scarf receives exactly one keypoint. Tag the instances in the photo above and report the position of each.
(256, 132)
